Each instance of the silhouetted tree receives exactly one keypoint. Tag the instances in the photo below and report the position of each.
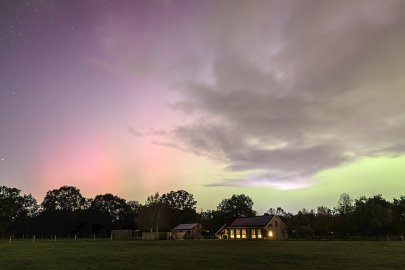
(66, 198)
(323, 222)
(345, 204)
(344, 219)
(181, 206)
(179, 200)
(154, 215)
(373, 216)
(11, 204)
(236, 206)
(276, 211)
(398, 215)
(65, 211)
(117, 209)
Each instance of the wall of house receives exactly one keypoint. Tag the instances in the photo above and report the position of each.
(194, 233)
(245, 233)
(178, 235)
(275, 230)
(278, 229)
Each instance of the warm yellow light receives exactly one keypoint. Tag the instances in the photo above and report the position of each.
(270, 233)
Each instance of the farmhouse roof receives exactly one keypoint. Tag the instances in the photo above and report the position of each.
(260, 221)
(189, 226)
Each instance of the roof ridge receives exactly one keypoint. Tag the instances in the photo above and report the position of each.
(256, 221)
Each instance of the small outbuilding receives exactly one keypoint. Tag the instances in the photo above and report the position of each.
(269, 227)
(187, 231)
(121, 235)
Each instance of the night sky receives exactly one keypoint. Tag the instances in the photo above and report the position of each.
(289, 102)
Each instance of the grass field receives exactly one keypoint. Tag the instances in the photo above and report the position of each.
(204, 254)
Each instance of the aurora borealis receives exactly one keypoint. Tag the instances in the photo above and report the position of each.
(289, 102)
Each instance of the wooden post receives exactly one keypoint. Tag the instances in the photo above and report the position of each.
(157, 225)
(33, 239)
(9, 240)
(111, 237)
(75, 237)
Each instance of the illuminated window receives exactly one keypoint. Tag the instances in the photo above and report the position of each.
(253, 233)
(259, 233)
(232, 233)
(243, 233)
(237, 233)
(270, 233)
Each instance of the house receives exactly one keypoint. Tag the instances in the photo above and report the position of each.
(269, 227)
(221, 232)
(187, 231)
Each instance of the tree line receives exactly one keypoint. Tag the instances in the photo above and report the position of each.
(65, 212)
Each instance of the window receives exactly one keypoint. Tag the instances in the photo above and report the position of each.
(243, 233)
(253, 233)
(276, 223)
(232, 233)
(237, 233)
(259, 233)
(270, 234)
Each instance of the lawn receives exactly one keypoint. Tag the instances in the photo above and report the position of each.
(203, 254)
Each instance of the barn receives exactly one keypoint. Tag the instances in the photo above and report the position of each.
(269, 227)
(187, 231)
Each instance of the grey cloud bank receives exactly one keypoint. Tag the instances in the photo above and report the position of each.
(286, 89)
(312, 87)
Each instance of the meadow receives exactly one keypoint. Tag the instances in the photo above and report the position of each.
(200, 254)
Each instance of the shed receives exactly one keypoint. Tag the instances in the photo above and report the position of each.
(187, 231)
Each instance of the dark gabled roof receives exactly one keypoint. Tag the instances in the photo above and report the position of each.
(182, 227)
(220, 229)
(260, 221)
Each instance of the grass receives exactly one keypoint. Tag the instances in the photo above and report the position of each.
(204, 254)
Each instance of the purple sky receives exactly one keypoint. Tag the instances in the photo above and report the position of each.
(215, 97)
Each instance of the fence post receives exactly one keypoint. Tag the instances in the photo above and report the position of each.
(9, 240)
(75, 237)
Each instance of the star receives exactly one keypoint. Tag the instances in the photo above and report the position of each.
(12, 93)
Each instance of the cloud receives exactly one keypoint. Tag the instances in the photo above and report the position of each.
(132, 131)
(295, 88)
(170, 145)
(282, 89)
